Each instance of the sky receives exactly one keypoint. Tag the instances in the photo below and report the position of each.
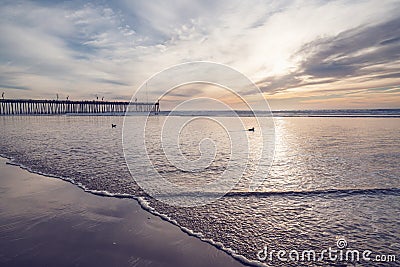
(301, 54)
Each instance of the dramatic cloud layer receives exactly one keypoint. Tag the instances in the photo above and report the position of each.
(302, 54)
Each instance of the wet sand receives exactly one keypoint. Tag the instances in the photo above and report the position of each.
(49, 222)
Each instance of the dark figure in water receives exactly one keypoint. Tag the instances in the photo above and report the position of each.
(113, 126)
(251, 129)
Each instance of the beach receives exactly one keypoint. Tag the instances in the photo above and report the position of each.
(200, 133)
(332, 178)
(46, 221)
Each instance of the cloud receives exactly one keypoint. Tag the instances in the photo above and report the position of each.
(367, 53)
(349, 53)
(114, 82)
(6, 86)
(287, 47)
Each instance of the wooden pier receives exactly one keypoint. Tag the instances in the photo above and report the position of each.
(53, 107)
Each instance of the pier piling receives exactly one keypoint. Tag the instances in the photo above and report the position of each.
(53, 107)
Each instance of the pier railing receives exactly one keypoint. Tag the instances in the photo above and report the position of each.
(33, 106)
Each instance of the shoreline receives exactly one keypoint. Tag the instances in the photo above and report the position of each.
(65, 203)
(143, 205)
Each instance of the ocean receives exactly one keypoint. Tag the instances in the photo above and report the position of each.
(334, 176)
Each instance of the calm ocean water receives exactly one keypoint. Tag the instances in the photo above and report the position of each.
(332, 177)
